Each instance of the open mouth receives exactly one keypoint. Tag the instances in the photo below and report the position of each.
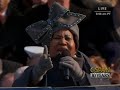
(63, 51)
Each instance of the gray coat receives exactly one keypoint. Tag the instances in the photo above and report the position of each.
(54, 76)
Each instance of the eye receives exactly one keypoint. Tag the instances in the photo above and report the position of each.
(68, 38)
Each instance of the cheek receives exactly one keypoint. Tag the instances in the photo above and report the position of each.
(72, 47)
(53, 43)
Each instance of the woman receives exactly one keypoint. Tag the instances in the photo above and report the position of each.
(62, 66)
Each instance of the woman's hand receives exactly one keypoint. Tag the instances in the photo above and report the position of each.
(40, 69)
(73, 66)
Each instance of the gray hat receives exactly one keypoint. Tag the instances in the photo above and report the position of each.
(59, 18)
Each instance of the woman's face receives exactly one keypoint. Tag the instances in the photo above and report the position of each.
(62, 40)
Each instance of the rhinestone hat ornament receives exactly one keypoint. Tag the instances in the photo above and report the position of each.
(59, 18)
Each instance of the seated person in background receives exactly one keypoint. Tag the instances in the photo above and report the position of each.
(87, 44)
(11, 33)
(7, 69)
(30, 61)
(63, 66)
(116, 72)
(99, 36)
(34, 14)
(3, 10)
(98, 61)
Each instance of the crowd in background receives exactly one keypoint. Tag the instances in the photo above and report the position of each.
(99, 34)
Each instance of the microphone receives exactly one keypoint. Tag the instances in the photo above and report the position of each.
(66, 70)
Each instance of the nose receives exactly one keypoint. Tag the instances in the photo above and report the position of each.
(62, 41)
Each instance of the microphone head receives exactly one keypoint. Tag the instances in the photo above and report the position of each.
(62, 53)
(65, 52)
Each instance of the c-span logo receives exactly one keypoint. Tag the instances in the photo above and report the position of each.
(100, 72)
